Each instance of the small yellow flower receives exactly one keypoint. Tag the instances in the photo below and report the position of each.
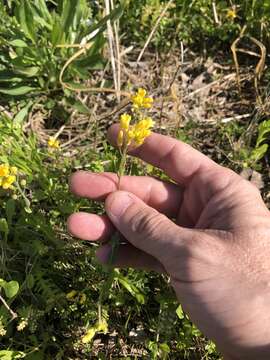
(53, 143)
(99, 326)
(231, 14)
(125, 121)
(4, 170)
(120, 138)
(71, 294)
(15, 197)
(82, 298)
(140, 100)
(89, 335)
(8, 181)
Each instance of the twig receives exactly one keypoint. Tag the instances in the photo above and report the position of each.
(154, 30)
(12, 313)
(227, 77)
(236, 117)
(215, 13)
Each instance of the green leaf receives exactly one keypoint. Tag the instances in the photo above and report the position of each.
(11, 288)
(18, 43)
(132, 289)
(10, 210)
(21, 115)
(28, 71)
(17, 90)
(263, 132)
(179, 312)
(25, 17)
(11, 355)
(259, 152)
(102, 24)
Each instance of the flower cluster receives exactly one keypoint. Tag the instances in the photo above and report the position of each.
(136, 134)
(140, 100)
(133, 134)
(7, 176)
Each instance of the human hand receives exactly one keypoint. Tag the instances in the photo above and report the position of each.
(216, 252)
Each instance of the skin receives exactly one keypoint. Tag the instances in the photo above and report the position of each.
(216, 251)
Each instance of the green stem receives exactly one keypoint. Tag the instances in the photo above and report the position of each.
(115, 242)
(122, 166)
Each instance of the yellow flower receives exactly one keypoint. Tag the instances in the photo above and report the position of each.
(120, 138)
(140, 100)
(8, 181)
(71, 294)
(4, 170)
(99, 326)
(231, 14)
(53, 143)
(82, 298)
(142, 130)
(89, 335)
(125, 121)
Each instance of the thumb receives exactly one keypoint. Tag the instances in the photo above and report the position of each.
(143, 226)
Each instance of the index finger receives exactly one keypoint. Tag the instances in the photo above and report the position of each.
(178, 160)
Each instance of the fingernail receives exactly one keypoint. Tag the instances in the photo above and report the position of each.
(118, 203)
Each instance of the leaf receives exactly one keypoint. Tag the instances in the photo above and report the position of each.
(259, 152)
(263, 132)
(11, 355)
(21, 115)
(11, 288)
(16, 91)
(25, 17)
(132, 289)
(179, 312)
(10, 210)
(18, 43)
(28, 71)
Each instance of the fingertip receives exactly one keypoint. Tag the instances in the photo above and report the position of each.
(76, 181)
(90, 227)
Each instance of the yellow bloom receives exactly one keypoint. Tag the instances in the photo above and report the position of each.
(4, 170)
(8, 181)
(125, 121)
(99, 326)
(53, 143)
(89, 335)
(82, 298)
(120, 138)
(231, 14)
(71, 294)
(140, 100)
